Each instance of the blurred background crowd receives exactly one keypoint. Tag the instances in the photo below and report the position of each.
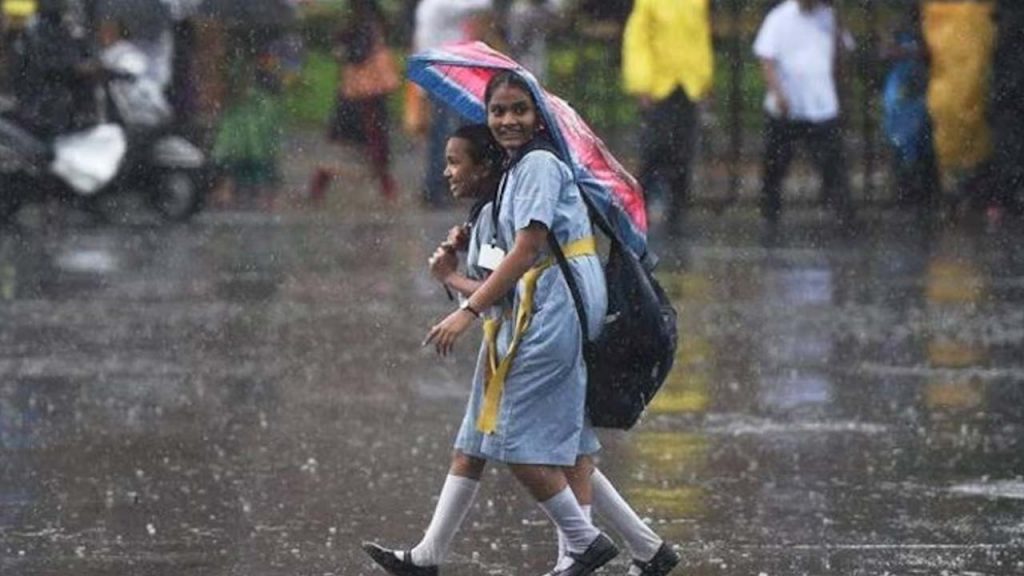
(929, 92)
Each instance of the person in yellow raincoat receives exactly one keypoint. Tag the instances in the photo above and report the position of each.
(667, 65)
(960, 38)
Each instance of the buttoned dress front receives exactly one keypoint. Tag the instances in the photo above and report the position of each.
(541, 416)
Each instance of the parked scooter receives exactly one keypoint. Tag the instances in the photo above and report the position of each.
(134, 147)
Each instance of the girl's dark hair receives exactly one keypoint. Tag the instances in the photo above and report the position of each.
(503, 79)
(483, 148)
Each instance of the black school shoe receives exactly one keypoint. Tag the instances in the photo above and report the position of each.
(387, 560)
(599, 553)
(664, 560)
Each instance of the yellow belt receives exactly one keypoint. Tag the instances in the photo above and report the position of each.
(496, 372)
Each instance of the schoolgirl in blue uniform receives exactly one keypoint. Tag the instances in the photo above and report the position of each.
(527, 405)
(532, 414)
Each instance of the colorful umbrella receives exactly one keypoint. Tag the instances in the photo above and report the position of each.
(458, 75)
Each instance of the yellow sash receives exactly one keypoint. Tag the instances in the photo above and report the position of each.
(496, 372)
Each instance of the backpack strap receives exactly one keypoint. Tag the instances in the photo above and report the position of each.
(574, 288)
(600, 221)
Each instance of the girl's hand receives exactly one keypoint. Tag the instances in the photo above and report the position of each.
(443, 264)
(444, 334)
(458, 238)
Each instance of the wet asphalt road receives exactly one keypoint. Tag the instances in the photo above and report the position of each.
(246, 395)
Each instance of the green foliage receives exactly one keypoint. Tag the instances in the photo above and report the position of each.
(310, 97)
(586, 74)
(751, 89)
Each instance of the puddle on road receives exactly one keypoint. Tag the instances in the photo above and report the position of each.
(745, 426)
(1011, 489)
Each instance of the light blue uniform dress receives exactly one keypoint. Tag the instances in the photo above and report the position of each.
(541, 417)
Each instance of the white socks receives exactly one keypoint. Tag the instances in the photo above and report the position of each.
(563, 559)
(456, 498)
(642, 542)
(568, 516)
(575, 530)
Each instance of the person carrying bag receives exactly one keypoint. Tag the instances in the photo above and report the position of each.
(368, 77)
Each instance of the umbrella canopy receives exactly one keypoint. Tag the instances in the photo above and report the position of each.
(458, 75)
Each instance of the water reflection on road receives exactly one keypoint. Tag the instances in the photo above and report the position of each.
(247, 395)
(842, 407)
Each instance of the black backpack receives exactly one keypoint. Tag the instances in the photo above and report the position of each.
(630, 360)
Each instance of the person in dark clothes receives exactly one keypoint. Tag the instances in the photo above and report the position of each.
(1008, 108)
(54, 72)
(369, 76)
(906, 120)
(668, 67)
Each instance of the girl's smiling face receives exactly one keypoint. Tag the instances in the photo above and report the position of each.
(512, 117)
(464, 175)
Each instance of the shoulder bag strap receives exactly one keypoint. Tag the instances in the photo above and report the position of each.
(570, 279)
(597, 219)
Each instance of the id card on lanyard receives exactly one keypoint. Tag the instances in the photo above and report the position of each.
(490, 254)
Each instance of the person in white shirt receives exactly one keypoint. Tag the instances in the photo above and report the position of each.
(797, 47)
(440, 22)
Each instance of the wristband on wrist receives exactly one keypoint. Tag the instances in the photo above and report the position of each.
(469, 308)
